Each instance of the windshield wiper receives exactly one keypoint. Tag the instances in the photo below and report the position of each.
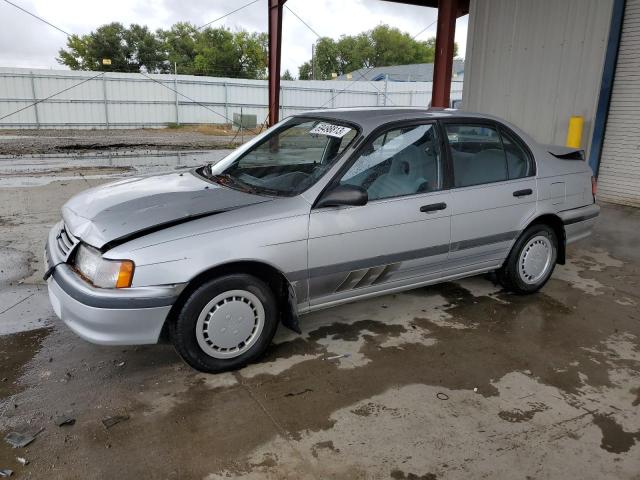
(230, 181)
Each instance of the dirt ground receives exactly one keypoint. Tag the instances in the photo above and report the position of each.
(29, 142)
(459, 380)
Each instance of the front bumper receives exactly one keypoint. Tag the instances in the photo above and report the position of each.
(131, 316)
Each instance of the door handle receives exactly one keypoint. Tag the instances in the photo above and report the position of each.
(433, 207)
(522, 193)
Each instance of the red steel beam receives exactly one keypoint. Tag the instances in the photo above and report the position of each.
(275, 50)
(447, 13)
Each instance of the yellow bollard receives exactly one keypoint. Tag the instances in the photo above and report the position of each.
(574, 131)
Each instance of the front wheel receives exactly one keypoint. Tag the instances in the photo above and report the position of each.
(225, 323)
(531, 261)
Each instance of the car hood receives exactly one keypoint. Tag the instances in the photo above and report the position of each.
(123, 210)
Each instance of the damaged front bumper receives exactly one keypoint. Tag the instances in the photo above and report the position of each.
(128, 316)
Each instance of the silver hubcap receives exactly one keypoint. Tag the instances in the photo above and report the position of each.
(230, 324)
(535, 259)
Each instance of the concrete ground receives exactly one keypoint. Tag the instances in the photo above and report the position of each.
(459, 380)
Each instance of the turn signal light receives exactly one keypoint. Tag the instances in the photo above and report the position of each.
(125, 275)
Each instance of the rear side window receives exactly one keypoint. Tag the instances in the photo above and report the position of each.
(477, 154)
(518, 163)
(480, 154)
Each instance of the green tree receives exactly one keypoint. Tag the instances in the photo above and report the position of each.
(304, 71)
(179, 44)
(146, 51)
(223, 53)
(129, 49)
(253, 50)
(287, 75)
(212, 51)
(379, 47)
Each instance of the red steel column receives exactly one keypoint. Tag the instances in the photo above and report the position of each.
(275, 42)
(447, 13)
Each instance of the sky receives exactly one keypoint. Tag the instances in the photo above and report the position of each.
(27, 42)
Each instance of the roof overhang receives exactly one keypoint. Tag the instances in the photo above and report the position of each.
(463, 5)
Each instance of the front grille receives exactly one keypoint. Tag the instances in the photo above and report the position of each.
(66, 242)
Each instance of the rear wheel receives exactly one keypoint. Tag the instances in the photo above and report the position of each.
(225, 323)
(531, 261)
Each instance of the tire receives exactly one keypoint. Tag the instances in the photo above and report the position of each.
(226, 323)
(531, 260)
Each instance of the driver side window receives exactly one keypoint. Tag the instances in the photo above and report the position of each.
(403, 161)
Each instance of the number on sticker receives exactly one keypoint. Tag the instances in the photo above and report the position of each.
(330, 130)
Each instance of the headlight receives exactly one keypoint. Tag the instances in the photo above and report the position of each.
(102, 272)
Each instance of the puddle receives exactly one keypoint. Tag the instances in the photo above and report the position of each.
(15, 351)
(38, 170)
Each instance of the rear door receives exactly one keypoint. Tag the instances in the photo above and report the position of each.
(494, 191)
(401, 234)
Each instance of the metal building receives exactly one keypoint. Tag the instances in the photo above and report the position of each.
(536, 63)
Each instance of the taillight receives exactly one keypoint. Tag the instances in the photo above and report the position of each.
(594, 187)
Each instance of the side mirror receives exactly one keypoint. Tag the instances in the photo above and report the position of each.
(344, 195)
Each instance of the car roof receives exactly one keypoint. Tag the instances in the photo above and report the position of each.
(373, 117)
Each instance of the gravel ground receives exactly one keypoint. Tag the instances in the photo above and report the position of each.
(34, 142)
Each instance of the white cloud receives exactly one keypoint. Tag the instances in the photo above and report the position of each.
(26, 42)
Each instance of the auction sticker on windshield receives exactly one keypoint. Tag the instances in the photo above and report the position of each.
(330, 130)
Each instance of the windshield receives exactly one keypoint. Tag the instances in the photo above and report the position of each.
(287, 160)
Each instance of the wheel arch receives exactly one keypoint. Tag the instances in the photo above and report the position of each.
(277, 281)
(555, 222)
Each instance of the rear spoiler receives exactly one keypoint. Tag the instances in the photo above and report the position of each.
(566, 153)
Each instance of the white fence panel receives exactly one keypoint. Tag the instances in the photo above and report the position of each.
(71, 99)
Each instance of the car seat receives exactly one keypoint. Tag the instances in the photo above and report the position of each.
(405, 176)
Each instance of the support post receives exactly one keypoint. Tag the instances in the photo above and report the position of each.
(313, 61)
(35, 99)
(606, 85)
(386, 87)
(175, 87)
(226, 103)
(447, 13)
(275, 43)
(106, 104)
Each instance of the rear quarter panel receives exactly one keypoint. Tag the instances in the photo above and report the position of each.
(562, 184)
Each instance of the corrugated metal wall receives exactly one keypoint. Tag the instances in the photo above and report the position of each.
(122, 100)
(619, 175)
(536, 63)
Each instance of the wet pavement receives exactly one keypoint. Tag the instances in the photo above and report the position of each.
(459, 380)
(182, 138)
(38, 170)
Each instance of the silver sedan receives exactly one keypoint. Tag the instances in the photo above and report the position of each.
(323, 208)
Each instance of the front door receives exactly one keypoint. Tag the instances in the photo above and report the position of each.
(402, 233)
(493, 194)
